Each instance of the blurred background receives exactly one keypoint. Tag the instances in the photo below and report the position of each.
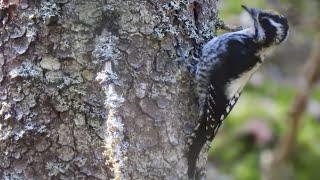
(274, 130)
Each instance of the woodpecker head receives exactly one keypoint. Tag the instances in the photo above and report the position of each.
(270, 27)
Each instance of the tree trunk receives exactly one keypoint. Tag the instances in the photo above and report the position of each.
(93, 89)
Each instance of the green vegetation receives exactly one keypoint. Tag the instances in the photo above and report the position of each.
(233, 151)
(269, 102)
(232, 7)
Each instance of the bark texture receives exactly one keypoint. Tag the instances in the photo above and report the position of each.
(92, 89)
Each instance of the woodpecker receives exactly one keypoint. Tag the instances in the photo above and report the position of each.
(226, 64)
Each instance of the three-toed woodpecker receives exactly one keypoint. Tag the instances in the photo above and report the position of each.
(226, 64)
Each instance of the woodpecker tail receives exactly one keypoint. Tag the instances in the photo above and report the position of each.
(215, 110)
(198, 141)
(204, 131)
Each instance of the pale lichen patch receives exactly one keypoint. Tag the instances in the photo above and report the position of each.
(1, 64)
(27, 69)
(50, 63)
(66, 153)
(116, 147)
(56, 168)
(105, 48)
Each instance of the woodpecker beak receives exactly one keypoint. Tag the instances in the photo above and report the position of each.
(253, 12)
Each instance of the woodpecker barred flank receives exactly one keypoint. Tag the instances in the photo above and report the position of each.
(227, 63)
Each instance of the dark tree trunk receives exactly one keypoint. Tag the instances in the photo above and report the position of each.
(92, 89)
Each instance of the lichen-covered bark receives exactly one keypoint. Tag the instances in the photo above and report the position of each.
(96, 89)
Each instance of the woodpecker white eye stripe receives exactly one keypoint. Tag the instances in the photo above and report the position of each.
(275, 24)
(278, 26)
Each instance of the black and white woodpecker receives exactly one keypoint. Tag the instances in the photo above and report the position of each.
(226, 64)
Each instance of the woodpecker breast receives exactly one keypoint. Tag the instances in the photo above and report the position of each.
(236, 85)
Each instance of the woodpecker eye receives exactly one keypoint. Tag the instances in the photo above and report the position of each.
(270, 29)
(264, 22)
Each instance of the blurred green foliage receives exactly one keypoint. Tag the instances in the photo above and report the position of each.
(269, 102)
(233, 7)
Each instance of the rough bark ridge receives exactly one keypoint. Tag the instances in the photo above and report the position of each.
(90, 89)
